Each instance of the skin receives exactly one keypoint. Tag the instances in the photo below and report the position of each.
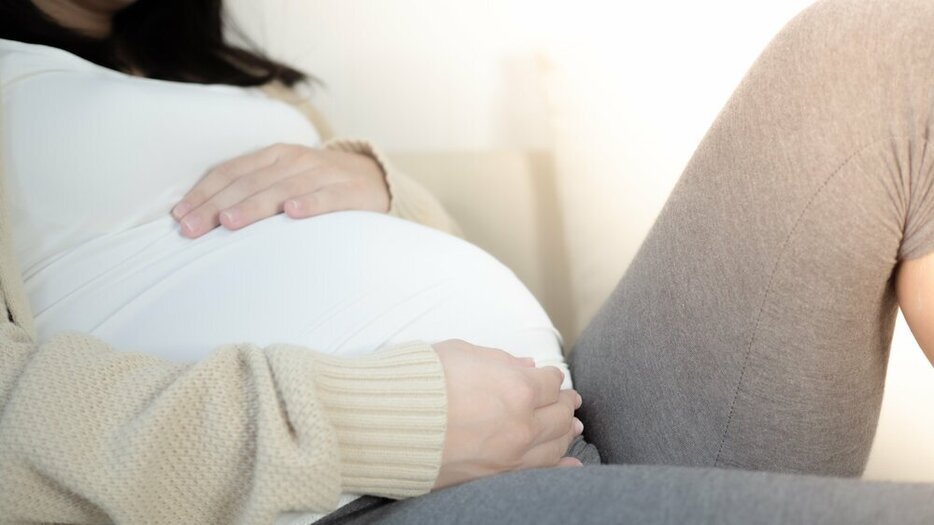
(91, 17)
(510, 415)
(503, 413)
(914, 287)
(283, 178)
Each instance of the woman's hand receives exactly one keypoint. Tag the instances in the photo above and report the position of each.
(299, 180)
(503, 414)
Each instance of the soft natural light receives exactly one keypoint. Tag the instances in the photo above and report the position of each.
(618, 92)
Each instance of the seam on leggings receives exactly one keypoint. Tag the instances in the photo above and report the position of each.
(768, 289)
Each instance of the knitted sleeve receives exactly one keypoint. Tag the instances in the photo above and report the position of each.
(89, 434)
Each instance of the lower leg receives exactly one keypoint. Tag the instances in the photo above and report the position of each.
(752, 328)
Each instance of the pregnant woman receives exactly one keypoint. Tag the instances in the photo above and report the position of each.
(159, 368)
(94, 161)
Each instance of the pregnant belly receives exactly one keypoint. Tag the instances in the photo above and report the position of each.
(345, 283)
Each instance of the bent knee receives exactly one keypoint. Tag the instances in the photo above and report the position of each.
(862, 34)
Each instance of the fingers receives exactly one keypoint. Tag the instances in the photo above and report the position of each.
(251, 198)
(503, 414)
(298, 180)
(569, 461)
(208, 199)
(229, 186)
(550, 453)
(224, 174)
(557, 419)
(546, 384)
(265, 202)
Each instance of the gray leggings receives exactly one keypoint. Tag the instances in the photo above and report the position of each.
(752, 329)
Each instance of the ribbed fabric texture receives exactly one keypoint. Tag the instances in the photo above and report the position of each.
(386, 427)
(89, 434)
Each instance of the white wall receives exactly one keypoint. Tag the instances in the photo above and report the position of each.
(620, 91)
(412, 74)
(635, 86)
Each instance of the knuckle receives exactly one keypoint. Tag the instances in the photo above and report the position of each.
(257, 182)
(522, 396)
(222, 173)
(248, 184)
(558, 374)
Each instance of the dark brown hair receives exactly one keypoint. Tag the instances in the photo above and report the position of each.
(180, 40)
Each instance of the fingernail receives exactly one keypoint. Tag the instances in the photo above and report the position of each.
(578, 426)
(296, 205)
(580, 401)
(190, 223)
(230, 216)
(181, 209)
(578, 463)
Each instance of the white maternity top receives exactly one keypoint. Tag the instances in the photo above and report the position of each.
(95, 159)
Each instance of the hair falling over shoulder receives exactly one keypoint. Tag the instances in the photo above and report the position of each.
(177, 40)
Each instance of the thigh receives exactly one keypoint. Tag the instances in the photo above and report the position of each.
(653, 495)
(752, 329)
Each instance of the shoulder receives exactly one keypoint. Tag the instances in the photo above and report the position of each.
(20, 60)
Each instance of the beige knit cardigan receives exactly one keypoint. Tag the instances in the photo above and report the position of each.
(94, 434)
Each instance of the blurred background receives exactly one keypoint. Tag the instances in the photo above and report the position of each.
(554, 133)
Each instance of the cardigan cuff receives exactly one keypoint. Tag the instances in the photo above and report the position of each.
(365, 147)
(390, 413)
(408, 199)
